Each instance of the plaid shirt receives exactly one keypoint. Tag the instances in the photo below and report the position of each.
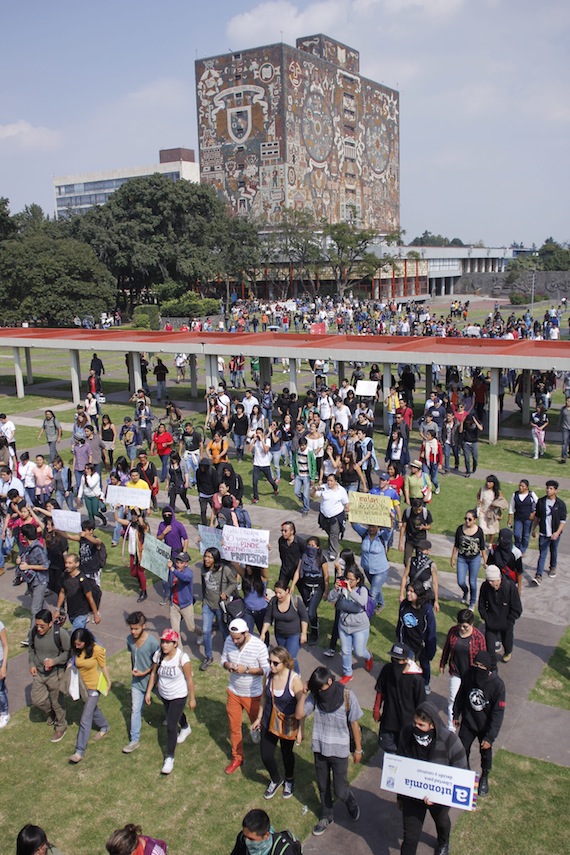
(476, 644)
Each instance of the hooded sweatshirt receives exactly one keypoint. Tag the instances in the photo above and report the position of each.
(444, 747)
(480, 703)
(177, 535)
(233, 480)
(207, 480)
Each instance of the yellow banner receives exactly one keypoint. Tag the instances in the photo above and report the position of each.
(370, 510)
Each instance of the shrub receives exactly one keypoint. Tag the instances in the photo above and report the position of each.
(190, 306)
(146, 317)
(518, 298)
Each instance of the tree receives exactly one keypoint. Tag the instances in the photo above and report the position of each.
(51, 281)
(554, 256)
(7, 226)
(298, 241)
(429, 239)
(346, 253)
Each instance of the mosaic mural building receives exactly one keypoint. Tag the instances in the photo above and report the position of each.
(282, 127)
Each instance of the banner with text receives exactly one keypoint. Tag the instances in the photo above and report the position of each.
(209, 537)
(155, 556)
(67, 521)
(130, 497)
(443, 785)
(245, 545)
(370, 510)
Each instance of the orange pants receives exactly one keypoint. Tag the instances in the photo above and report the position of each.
(234, 707)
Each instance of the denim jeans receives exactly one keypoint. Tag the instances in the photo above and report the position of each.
(356, 642)
(39, 591)
(137, 701)
(267, 414)
(3, 694)
(447, 449)
(471, 451)
(276, 460)
(63, 500)
(90, 716)
(292, 644)
(302, 490)
(78, 622)
(565, 442)
(266, 472)
(118, 528)
(521, 531)
(161, 389)
(207, 622)
(164, 464)
(287, 453)
(239, 445)
(468, 567)
(544, 545)
(376, 581)
(432, 469)
(312, 596)
(131, 452)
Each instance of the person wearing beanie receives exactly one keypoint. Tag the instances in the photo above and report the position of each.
(480, 708)
(500, 607)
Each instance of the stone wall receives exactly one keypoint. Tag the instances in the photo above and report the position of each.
(555, 284)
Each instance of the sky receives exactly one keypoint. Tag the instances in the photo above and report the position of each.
(484, 96)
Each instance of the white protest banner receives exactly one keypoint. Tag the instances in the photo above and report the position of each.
(245, 545)
(370, 510)
(209, 537)
(443, 785)
(67, 521)
(366, 388)
(130, 497)
(155, 556)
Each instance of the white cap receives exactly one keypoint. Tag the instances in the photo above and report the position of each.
(238, 625)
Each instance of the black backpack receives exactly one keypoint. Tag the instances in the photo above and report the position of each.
(101, 556)
(56, 637)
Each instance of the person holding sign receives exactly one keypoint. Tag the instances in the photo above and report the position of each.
(427, 739)
(374, 561)
(181, 593)
(219, 584)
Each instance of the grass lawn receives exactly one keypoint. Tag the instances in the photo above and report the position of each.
(522, 812)
(17, 622)
(553, 685)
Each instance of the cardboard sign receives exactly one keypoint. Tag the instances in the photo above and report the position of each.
(209, 537)
(370, 510)
(366, 388)
(67, 521)
(245, 545)
(155, 555)
(443, 785)
(129, 497)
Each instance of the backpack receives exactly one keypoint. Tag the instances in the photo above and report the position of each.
(101, 556)
(285, 843)
(56, 637)
(369, 607)
(96, 591)
(242, 517)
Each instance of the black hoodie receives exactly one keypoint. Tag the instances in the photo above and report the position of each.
(207, 480)
(445, 748)
(233, 480)
(480, 703)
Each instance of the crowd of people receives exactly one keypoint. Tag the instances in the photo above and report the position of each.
(328, 444)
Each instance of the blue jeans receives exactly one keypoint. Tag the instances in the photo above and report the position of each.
(432, 469)
(376, 581)
(544, 545)
(63, 500)
(137, 701)
(207, 621)
(565, 442)
(165, 462)
(521, 531)
(118, 529)
(254, 619)
(78, 622)
(239, 445)
(276, 460)
(292, 644)
(302, 490)
(161, 389)
(131, 451)
(287, 453)
(90, 716)
(353, 642)
(3, 694)
(447, 449)
(469, 566)
(266, 472)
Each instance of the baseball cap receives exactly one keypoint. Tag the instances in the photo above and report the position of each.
(238, 625)
(400, 651)
(169, 635)
(383, 476)
(181, 556)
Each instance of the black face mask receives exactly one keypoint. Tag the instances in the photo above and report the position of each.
(167, 518)
(480, 677)
(398, 665)
(423, 738)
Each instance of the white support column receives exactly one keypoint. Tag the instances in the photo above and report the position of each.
(211, 371)
(526, 397)
(75, 376)
(494, 407)
(29, 369)
(264, 370)
(136, 373)
(193, 365)
(292, 375)
(386, 383)
(18, 372)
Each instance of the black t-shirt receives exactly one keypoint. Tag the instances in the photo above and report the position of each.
(75, 588)
(469, 545)
(239, 425)
(412, 520)
(290, 555)
(192, 441)
(88, 560)
(149, 474)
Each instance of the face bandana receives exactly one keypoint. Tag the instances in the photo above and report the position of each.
(422, 738)
(260, 847)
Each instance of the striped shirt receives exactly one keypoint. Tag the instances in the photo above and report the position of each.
(331, 736)
(253, 654)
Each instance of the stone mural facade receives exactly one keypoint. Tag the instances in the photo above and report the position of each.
(282, 127)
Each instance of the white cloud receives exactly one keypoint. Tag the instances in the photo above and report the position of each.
(29, 137)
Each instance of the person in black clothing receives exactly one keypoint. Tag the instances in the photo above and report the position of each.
(480, 707)
(507, 558)
(256, 828)
(234, 481)
(207, 483)
(427, 739)
(291, 548)
(238, 426)
(399, 691)
(500, 607)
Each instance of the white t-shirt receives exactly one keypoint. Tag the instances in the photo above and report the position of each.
(171, 680)
(261, 455)
(332, 501)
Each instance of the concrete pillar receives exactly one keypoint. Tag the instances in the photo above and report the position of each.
(29, 370)
(75, 376)
(136, 373)
(193, 365)
(526, 397)
(264, 370)
(211, 371)
(494, 406)
(341, 372)
(18, 372)
(429, 378)
(293, 375)
(386, 383)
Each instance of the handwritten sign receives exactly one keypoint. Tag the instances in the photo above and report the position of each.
(129, 497)
(67, 521)
(245, 545)
(366, 388)
(209, 537)
(370, 510)
(155, 556)
(444, 785)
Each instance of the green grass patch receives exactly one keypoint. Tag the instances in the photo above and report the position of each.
(553, 685)
(17, 622)
(519, 814)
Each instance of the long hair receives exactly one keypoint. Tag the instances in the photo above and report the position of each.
(29, 840)
(85, 636)
(215, 553)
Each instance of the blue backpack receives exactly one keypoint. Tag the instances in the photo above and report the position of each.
(243, 518)
(370, 606)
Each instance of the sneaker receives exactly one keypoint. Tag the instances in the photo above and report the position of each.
(346, 679)
(330, 652)
(353, 810)
(163, 603)
(378, 609)
(58, 735)
(206, 664)
(254, 501)
(552, 573)
(428, 689)
(276, 492)
(183, 735)
(233, 766)
(76, 758)
(4, 719)
(507, 657)
(114, 544)
(272, 789)
(322, 826)
(199, 640)
(437, 491)
(167, 766)
(24, 643)
(537, 580)
(287, 789)
(101, 734)
(132, 746)
(369, 664)
(465, 600)
(142, 597)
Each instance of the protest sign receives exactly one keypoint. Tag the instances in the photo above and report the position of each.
(209, 537)
(370, 510)
(130, 497)
(155, 556)
(245, 545)
(67, 521)
(443, 785)
(366, 388)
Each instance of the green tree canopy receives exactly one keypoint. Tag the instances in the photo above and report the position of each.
(554, 256)
(429, 239)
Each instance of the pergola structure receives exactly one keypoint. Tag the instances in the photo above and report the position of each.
(488, 354)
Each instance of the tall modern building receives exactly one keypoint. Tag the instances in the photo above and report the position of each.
(78, 193)
(282, 127)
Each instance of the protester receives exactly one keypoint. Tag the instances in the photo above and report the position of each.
(90, 660)
(500, 607)
(142, 646)
(131, 841)
(48, 656)
(399, 691)
(464, 641)
(257, 835)
(550, 519)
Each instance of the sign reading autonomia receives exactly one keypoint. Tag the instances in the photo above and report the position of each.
(370, 510)
(443, 785)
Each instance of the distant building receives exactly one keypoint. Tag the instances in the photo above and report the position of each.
(282, 127)
(78, 193)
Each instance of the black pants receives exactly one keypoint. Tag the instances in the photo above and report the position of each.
(205, 503)
(414, 812)
(467, 737)
(258, 471)
(505, 636)
(334, 634)
(335, 768)
(268, 745)
(174, 714)
(178, 491)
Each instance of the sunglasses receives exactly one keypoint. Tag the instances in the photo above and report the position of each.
(469, 519)
(274, 663)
